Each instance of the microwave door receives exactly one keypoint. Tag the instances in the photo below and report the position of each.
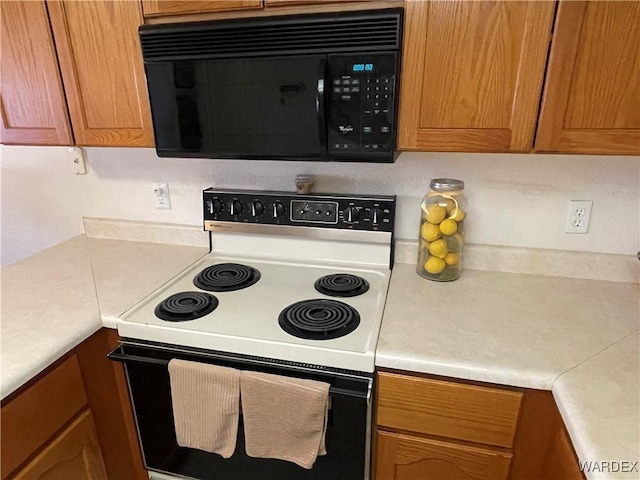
(240, 108)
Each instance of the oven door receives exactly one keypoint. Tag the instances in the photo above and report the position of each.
(239, 108)
(348, 428)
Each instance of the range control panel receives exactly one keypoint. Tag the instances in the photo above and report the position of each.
(355, 212)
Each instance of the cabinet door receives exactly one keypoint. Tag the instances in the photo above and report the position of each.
(32, 102)
(46, 406)
(176, 7)
(591, 102)
(75, 453)
(402, 457)
(543, 449)
(472, 74)
(562, 461)
(102, 70)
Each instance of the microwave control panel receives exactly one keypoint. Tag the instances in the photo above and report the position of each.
(362, 104)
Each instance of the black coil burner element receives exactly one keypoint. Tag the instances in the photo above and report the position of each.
(341, 285)
(319, 319)
(184, 306)
(226, 277)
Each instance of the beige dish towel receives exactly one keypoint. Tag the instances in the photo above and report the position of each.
(284, 417)
(206, 402)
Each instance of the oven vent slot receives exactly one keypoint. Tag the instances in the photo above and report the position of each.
(342, 32)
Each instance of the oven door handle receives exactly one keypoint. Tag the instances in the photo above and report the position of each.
(118, 355)
(124, 358)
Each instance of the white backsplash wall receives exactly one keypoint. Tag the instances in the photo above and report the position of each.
(515, 200)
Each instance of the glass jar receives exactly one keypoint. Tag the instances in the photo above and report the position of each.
(441, 234)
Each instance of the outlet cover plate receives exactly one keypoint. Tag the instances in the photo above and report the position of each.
(163, 198)
(579, 216)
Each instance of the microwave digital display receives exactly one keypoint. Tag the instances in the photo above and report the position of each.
(363, 67)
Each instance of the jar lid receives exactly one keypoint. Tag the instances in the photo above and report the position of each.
(446, 184)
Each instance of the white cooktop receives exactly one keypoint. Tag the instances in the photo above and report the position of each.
(246, 321)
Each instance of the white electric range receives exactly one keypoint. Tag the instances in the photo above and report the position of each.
(301, 278)
(294, 285)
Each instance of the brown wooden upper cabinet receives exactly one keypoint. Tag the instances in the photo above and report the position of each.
(159, 8)
(32, 102)
(591, 101)
(96, 57)
(102, 70)
(472, 74)
(293, 3)
(178, 7)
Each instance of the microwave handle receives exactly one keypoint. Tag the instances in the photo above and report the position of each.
(320, 100)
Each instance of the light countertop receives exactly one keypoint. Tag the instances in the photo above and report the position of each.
(141, 268)
(578, 338)
(40, 324)
(596, 400)
(48, 307)
(531, 331)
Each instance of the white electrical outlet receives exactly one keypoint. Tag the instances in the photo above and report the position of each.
(77, 160)
(163, 199)
(579, 216)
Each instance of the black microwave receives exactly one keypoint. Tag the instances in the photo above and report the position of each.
(296, 87)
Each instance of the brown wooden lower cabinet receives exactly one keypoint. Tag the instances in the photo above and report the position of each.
(432, 428)
(73, 421)
(404, 457)
(438, 407)
(107, 391)
(75, 453)
(542, 448)
(562, 461)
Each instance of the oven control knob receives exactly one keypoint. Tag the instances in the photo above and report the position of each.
(278, 209)
(351, 214)
(215, 206)
(256, 208)
(376, 216)
(236, 208)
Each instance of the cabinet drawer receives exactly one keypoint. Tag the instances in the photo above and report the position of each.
(37, 413)
(437, 407)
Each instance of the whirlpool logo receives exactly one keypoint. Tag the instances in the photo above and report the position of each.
(295, 88)
(289, 93)
(345, 128)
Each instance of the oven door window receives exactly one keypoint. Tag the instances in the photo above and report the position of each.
(239, 107)
(347, 435)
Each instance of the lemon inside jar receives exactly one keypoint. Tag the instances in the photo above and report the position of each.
(430, 232)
